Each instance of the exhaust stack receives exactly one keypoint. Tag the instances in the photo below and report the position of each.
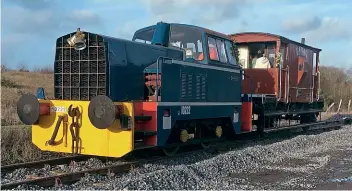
(303, 40)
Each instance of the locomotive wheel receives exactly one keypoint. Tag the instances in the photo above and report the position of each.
(28, 109)
(218, 131)
(170, 151)
(305, 129)
(261, 132)
(184, 135)
(205, 145)
(309, 118)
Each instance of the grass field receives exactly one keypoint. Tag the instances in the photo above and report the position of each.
(15, 84)
(16, 145)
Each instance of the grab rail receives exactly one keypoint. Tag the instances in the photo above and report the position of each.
(288, 83)
(252, 88)
(280, 78)
(162, 58)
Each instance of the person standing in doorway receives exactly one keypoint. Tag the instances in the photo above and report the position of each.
(262, 61)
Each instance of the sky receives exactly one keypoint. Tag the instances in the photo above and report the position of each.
(29, 28)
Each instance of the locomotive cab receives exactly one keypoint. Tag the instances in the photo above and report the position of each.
(201, 45)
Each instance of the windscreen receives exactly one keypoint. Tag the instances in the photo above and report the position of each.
(145, 36)
(187, 37)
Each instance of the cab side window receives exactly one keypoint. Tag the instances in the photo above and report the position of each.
(213, 52)
(217, 50)
(221, 49)
(230, 52)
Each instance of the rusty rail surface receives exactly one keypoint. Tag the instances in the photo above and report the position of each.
(42, 163)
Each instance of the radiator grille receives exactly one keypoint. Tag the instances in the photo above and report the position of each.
(80, 75)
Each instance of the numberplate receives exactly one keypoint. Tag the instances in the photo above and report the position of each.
(185, 110)
(59, 109)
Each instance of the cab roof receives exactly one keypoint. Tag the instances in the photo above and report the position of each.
(208, 31)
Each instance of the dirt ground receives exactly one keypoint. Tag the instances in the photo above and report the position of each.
(338, 172)
(327, 171)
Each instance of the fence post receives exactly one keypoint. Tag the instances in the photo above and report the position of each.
(330, 107)
(338, 110)
(349, 105)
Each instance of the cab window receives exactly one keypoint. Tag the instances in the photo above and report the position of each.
(221, 49)
(217, 50)
(213, 51)
(230, 52)
(189, 39)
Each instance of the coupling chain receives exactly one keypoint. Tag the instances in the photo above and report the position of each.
(74, 113)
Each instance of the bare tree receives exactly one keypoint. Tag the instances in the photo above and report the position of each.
(22, 66)
(46, 69)
(336, 84)
(3, 67)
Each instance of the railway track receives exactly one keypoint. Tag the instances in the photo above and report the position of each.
(71, 177)
(42, 163)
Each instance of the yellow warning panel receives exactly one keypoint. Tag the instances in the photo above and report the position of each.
(114, 141)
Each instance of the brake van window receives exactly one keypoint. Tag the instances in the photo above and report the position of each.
(189, 39)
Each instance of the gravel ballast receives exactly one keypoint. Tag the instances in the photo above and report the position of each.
(25, 173)
(315, 161)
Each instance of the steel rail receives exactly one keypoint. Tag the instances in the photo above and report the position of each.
(42, 163)
(320, 124)
(71, 177)
(67, 178)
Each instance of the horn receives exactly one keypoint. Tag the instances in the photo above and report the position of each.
(77, 40)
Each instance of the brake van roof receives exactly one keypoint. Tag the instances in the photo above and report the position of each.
(246, 37)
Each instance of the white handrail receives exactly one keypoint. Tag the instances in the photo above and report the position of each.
(288, 83)
(280, 69)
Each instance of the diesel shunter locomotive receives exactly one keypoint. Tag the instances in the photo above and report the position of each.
(171, 85)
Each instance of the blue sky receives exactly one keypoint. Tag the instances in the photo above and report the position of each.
(30, 27)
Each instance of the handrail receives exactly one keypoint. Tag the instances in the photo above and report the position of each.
(157, 75)
(157, 79)
(288, 83)
(252, 88)
(318, 86)
(312, 96)
(280, 69)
